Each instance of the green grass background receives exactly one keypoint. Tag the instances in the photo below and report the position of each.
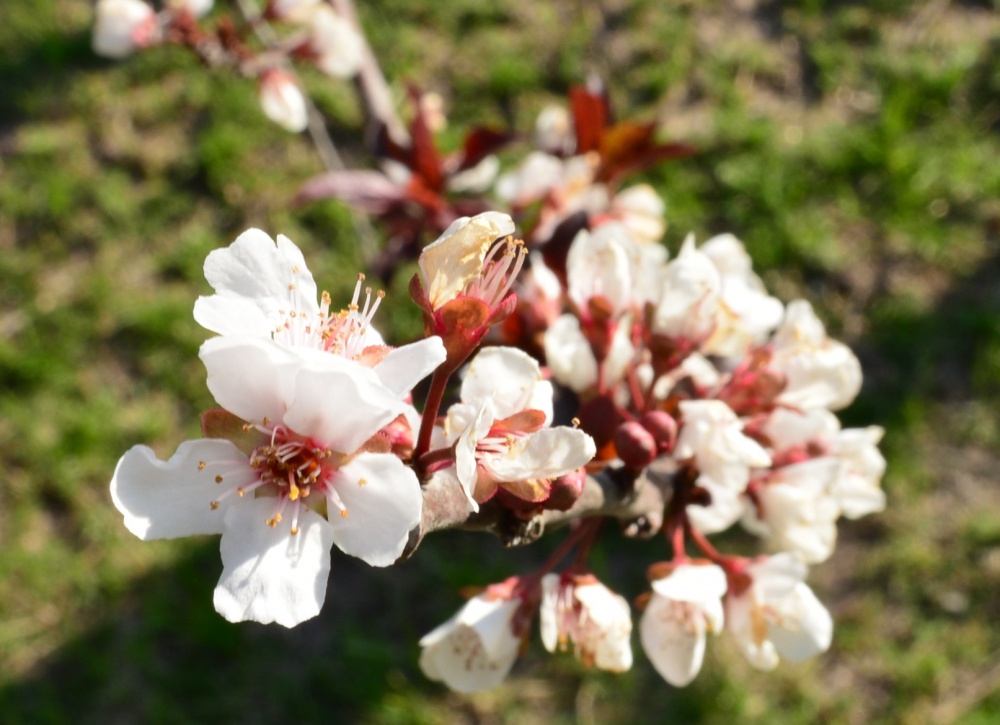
(853, 146)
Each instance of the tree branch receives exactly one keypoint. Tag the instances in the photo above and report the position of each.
(637, 502)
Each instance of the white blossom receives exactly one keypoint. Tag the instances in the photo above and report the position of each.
(582, 612)
(820, 372)
(308, 482)
(571, 359)
(746, 313)
(282, 100)
(641, 210)
(501, 429)
(686, 605)
(264, 289)
(475, 649)
(122, 27)
(688, 304)
(456, 260)
(338, 46)
(777, 616)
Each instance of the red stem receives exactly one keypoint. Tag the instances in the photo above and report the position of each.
(439, 383)
(705, 545)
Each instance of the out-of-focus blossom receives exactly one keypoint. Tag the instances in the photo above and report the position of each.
(686, 605)
(775, 615)
(198, 8)
(282, 100)
(475, 649)
(746, 313)
(337, 47)
(688, 305)
(820, 372)
(122, 27)
(642, 211)
(581, 612)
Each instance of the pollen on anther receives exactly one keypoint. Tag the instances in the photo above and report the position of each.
(343, 513)
(240, 492)
(362, 481)
(291, 287)
(295, 531)
(214, 505)
(201, 465)
(218, 479)
(575, 422)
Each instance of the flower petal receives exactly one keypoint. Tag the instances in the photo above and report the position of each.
(406, 366)
(270, 575)
(169, 499)
(252, 378)
(673, 637)
(383, 502)
(340, 404)
(547, 453)
(507, 375)
(692, 583)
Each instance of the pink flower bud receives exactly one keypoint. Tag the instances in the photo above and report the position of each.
(636, 445)
(566, 490)
(662, 427)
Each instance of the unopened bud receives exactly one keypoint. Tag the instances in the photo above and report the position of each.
(662, 427)
(566, 490)
(635, 445)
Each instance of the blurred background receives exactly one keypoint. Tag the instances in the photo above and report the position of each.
(853, 146)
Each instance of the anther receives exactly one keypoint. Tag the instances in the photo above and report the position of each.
(201, 465)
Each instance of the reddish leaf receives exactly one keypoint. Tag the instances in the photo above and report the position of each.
(591, 115)
(480, 143)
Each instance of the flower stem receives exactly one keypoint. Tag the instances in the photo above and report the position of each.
(439, 383)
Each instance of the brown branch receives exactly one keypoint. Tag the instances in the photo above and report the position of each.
(637, 502)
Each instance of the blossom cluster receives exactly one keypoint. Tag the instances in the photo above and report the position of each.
(578, 353)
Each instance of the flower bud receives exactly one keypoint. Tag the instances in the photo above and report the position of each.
(566, 490)
(122, 27)
(282, 101)
(662, 427)
(635, 445)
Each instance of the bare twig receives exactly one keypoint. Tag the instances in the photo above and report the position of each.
(371, 81)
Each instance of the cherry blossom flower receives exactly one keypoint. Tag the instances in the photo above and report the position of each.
(581, 611)
(688, 305)
(641, 210)
(746, 313)
(476, 648)
(198, 8)
(501, 434)
(795, 510)
(264, 289)
(685, 606)
(334, 43)
(465, 280)
(819, 372)
(712, 436)
(282, 100)
(308, 475)
(123, 26)
(774, 615)
(571, 359)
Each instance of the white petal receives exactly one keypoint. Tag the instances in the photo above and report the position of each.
(548, 612)
(776, 577)
(674, 644)
(548, 453)
(252, 378)
(808, 627)
(466, 465)
(568, 354)
(724, 511)
(692, 583)
(403, 367)
(340, 404)
(228, 315)
(380, 511)
(168, 499)
(475, 649)
(271, 275)
(505, 374)
(270, 575)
